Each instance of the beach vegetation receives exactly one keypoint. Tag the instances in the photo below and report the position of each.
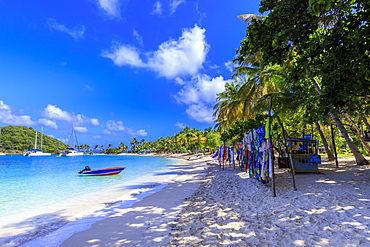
(213, 141)
(17, 139)
(311, 62)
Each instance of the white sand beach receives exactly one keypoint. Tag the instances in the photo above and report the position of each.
(208, 206)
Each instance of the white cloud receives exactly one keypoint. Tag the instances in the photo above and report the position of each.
(201, 89)
(200, 113)
(134, 132)
(54, 113)
(157, 8)
(96, 137)
(138, 37)
(48, 123)
(64, 140)
(179, 81)
(76, 33)
(106, 132)
(180, 125)
(115, 125)
(200, 95)
(214, 67)
(141, 133)
(7, 116)
(111, 7)
(88, 87)
(182, 57)
(94, 122)
(122, 55)
(230, 66)
(81, 129)
(177, 60)
(174, 4)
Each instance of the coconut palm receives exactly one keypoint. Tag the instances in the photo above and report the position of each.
(134, 144)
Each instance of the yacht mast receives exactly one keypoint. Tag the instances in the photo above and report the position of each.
(42, 131)
(36, 141)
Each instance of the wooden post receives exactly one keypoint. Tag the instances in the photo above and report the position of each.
(271, 163)
(334, 147)
(292, 170)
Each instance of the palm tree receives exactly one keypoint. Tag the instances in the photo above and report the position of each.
(228, 107)
(199, 140)
(181, 140)
(134, 144)
(123, 146)
(326, 22)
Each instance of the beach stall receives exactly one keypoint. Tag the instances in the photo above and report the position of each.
(303, 154)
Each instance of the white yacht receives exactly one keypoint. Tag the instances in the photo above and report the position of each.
(35, 151)
(69, 152)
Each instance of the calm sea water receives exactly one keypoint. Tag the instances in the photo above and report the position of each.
(39, 194)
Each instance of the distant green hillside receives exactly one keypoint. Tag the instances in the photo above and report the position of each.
(17, 139)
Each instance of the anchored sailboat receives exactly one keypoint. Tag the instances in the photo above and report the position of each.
(70, 152)
(35, 151)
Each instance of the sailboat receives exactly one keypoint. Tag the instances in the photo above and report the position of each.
(35, 151)
(70, 152)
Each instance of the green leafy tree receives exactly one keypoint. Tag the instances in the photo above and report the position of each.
(324, 42)
(213, 141)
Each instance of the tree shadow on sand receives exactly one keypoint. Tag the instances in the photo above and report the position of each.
(328, 209)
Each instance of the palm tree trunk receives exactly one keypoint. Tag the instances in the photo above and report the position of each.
(365, 121)
(360, 160)
(285, 135)
(358, 132)
(325, 142)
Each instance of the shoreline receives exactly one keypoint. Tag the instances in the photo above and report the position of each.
(146, 222)
(39, 218)
(161, 179)
(207, 206)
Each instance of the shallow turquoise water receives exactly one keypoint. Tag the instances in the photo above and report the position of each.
(26, 182)
(34, 187)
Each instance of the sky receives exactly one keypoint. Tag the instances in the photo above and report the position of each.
(116, 69)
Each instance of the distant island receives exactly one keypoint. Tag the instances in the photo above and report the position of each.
(17, 139)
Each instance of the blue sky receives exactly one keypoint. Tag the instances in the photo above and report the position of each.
(116, 69)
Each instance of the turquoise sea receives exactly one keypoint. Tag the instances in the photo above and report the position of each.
(41, 194)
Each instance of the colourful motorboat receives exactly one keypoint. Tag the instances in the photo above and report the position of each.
(102, 172)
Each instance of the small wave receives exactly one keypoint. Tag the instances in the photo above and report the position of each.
(56, 234)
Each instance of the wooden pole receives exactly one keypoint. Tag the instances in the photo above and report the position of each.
(334, 147)
(271, 163)
(292, 170)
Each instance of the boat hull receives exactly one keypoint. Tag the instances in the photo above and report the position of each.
(103, 172)
(35, 152)
(38, 154)
(71, 154)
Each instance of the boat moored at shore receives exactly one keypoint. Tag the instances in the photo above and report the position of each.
(70, 152)
(35, 152)
(102, 172)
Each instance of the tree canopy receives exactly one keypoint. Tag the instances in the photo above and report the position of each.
(323, 40)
